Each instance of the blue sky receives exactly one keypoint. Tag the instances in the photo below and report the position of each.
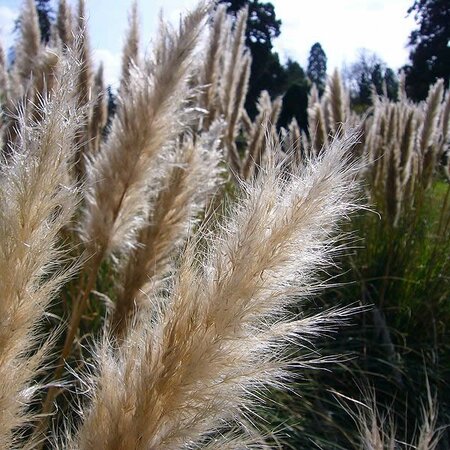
(342, 27)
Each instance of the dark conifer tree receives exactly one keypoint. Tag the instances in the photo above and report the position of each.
(430, 50)
(46, 18)
(391, 81)
(377, 78)
(295, 99)
(317, 67)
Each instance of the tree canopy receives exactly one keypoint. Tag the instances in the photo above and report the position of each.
(262, 24)
(46, 18)
(317, 67)
(367, 72)
(430, 50)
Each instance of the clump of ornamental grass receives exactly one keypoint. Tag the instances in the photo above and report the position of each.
(202, 350)
(199, 313)
(124, 175)
(198, 322)
(401, 268)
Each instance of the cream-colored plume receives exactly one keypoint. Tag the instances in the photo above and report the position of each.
(130, 52)
(192, 177)
(202, 359)
(35, 203)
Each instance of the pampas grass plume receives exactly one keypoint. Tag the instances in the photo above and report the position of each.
(192, 177)
(35, 203)
(64, 23)
(201, 362)
(130, 52)
(118, 177)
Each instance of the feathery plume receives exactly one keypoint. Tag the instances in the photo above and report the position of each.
(35, 203)
(83, 86)
(64, 23)
(237, 52)
(337, 103)
(235, 80)
(99, 115)
(313, 96)
(431, 115)
(191, 179)
(222, 332)
(29, 44)
(265, 122)
(85, 73)
(240, 95)
(317, 127)
(292, 143)
(428, 133)
(214, 58)
(46, 70)
(130, 52)
(236, 112)
(377, 431)
(393, 191)
(391, 131)
(401, 93)
(410, 186)
(407, 144)
(429, 436)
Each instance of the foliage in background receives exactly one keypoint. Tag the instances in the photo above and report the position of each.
(400, 267)
(46, 18)
(430, 51)
(317, 67)
(369, 75)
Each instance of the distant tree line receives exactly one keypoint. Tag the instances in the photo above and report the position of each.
(367, 76)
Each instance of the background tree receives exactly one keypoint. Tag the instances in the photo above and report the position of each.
(295, 100)
(368, 71)
(430, 51)
(391, 82)
(317, 67)
(262, 24)
(46, 18)
(267, 72)
(377, 78)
